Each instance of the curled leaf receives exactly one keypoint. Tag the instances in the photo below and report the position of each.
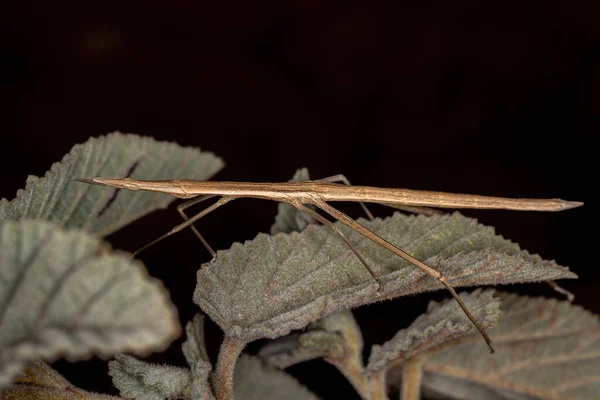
(99, 210)
(256, 381)
(288, 218)
(546, 349)
(274, 284)
(63, 293)
(201, 388)
(441, 323)
(40, 382)
(141, 380)
(299, 347)
(335, 336)
(194, 350)
(194, 347)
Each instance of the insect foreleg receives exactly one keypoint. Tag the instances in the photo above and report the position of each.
(191, 203)
(219, 203)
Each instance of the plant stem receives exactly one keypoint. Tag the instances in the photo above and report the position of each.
(377, 385)
(353, 370)
(412, 374)
(231, 348)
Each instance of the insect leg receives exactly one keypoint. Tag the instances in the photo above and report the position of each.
(559, 289)
(188, 204)
(349, 222)
(337, 230)
(187, 223)
(342, 178)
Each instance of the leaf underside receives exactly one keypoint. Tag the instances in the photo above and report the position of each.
(101, 210)
(441, 323)
(274, 284)
(62, 293)
(546, 349)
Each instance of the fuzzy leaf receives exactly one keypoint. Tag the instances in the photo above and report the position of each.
(330, 337)
(295, 348)
(274, 284)
(441, 323)
(546, 349)
(288, 218)
(194, 350)
(194, 347)
(63, 293)
(55, 197)
(201, 388)
(40, 382)
(141, 380)
(254, 380)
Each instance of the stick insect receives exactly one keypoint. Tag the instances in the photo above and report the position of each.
(319, 193)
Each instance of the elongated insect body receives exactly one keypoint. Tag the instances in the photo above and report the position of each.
(319, 193)
(304, 191)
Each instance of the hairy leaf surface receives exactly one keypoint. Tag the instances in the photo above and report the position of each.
(63, 293)
(141, 380)
(40, 382)
(194, 350)
(442, 322)
(274, 284)
(102, 210)
(546, 349)
(194, 347)
(295, 348)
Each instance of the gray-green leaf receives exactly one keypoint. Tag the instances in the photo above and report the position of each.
(194, 350)
(274, 284)
(141, 380)
(441, 323)
(62, 293)
(330, 337)
(546, 349)
(288, 218)
(256, 381)
(194, 347)
(76, 205)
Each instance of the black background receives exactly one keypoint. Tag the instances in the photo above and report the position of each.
(499, 99)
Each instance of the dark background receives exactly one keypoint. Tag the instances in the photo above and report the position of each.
(499, 99)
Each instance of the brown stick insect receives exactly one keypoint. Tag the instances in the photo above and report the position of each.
(318, 193)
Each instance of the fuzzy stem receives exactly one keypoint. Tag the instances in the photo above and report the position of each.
(377, 384)
(352, 369)
(231, 348)
(412, 374)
